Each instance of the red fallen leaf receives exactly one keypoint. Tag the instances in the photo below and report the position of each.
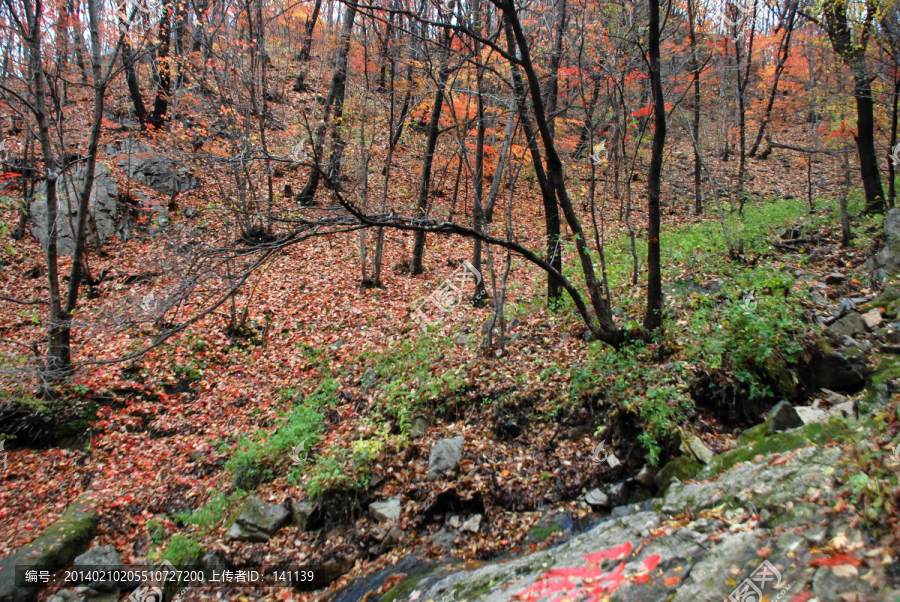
(778, 460)
(612, 553)
(651, 562)
(836, 560)
(672, 581)
(642, 578)
(762, 552)
(801, 597)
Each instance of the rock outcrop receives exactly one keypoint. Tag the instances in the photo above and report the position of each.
(106, 217)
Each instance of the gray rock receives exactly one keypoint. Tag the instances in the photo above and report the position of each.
(99, 559)
(647, 476)
(141, 162)
(829, 369)
(445, 456)
(190, 213)
(597, 499)
(258, 520)
(472, 524)
(782, 417)
(811, 415)
(100, 556)
(694, 447)
(67, 595)
(238, 532)
(754, 484)
(303, 513)
(851, 325)
(843, 307)
(105, 218)
(618, 494)
(419, 427)
(892, 223)
(835, 278)
(386, 510)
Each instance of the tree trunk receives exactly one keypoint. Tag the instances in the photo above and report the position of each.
(555, 59)
(865, 144)
(695, 77)
(418, 252)
(338, 83)
(162, 67)
(783, 51)
(853, 54)
(891, 167)
(653, 318)
(551, 209)
(309, 27)
(606, 329)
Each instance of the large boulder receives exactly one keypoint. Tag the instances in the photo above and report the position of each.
(141, 162)
(106, 218)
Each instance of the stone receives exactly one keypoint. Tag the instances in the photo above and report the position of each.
(618, 494)
(238, 532)
(811, 415)
(105, 217)
(597, 499)
(647, 476)
(100, 559)
(100, 556)
(443, 539)
(67, 595)
(695, 447)
(840, 371)
(445, 456)
(419, 427)
(851, 325)
(835, 278)
(146, 166)
(190, 213)
(258, 520)
(892, 223)
(873, 318)
(782, 417)
(843, 307)
(472, 524)
(303, 514)
(386, 510)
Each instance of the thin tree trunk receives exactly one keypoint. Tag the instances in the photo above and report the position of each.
(892, 194)
(695, 77)
(551, 209)
(418, 252)
(783, 52)
(555, 59)
(336, 90)
(162, 66)
(653, 318)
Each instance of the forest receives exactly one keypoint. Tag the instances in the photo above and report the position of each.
(445, 300)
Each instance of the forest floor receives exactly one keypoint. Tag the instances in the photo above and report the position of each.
(169, 432)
